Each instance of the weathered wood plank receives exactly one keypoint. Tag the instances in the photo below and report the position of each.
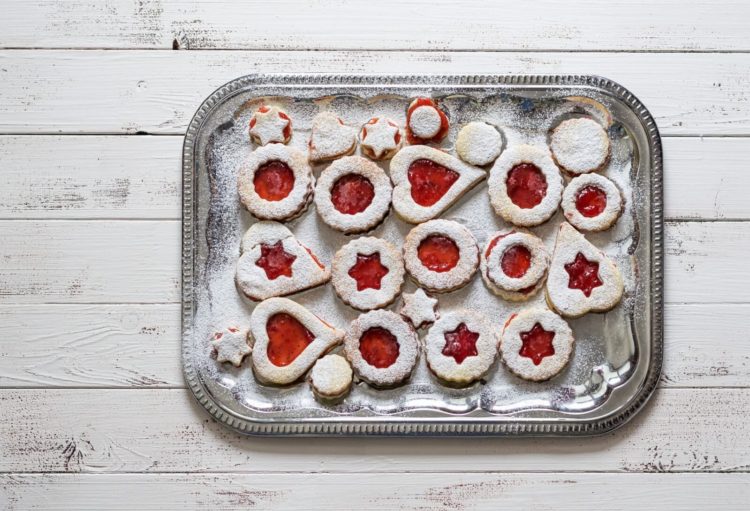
(330, 492)
(139, 177)
(152, 430)
(158, 91)
(659, 25)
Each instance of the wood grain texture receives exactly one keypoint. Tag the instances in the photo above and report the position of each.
(331, 492)
(285, 24)
(93, 176)
(162, 430)
(158, 91)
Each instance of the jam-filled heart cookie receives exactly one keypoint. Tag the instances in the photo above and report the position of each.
(353, 195)
(514, 265)
(419, 309)
(580, 145)
(231, 345)
(592, 202)
(581, 278)
(425, 122)
(380, 138)
(382, 348)
(275, 183)
(331, 378)
(270, 124)
(330, 138)
(441, 255)
(274, 263)
(288, 340)
(367, 273)
(525, 186)
(536, 344)
(428, 181)
(461, 347)
(479, 143)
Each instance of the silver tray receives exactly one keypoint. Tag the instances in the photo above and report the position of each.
(618, 357)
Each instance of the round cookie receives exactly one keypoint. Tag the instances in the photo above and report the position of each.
(580, 145)
(592, 202)
(479, 143)
(270, 124)
(425, 122)
(331, 378)
(514, 265)
(380, 138)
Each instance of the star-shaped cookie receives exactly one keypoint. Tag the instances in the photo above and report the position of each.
(380, 138)
(270, 124)
(419, 308)
(231, 345)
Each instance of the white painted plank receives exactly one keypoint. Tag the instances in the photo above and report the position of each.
(152, 430)
(158, 91)
(139, 346)
(421, 24)
(331, 492)
(139, 177)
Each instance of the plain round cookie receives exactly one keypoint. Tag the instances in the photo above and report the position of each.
(604, 220)
(331, 378)
(479, 143)
(580, 145)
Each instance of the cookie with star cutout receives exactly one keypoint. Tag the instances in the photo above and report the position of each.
(270, 124)
(231, 345)
(380, 138)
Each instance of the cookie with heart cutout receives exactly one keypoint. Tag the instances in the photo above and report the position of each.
(288, 340)
(367, 273)
(514, 264)
(274, 263)
(461, 347)
(419, 309)
(536, 344)
(525, 186)
(270, 124)
(580, 145)
(331, 379)
(353, 195)
(479, 143)
(330, 138)
(592, 202)
(428, 181)
(231, 345)
(581, 278)
(380, 138)
(275, 183)
(382, 348)
(441, 255)
(426, 123)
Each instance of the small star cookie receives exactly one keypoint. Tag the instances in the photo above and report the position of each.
(231, 345)
(270, 124)
(419, 308)
(380, 138)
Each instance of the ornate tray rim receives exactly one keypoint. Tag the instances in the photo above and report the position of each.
(410, 426)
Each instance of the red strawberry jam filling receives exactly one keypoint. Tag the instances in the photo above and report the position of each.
(352, 194)
(591, 201)
(526, 185)
(438, 253)
(287, 339)
(537, 344)
(429, 181)
(584, 274)
(516, 261)
(444, 124)
(368, 271)
(379, 347)
(273, 181)
(275, 261)
(460, 343)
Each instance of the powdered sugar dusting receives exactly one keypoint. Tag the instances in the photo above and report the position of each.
(580, 145)
(331, 376)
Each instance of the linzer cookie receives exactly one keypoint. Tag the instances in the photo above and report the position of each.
(536, 344)
(592, 202)
(580, 145)
(288, 340)
(419, 309)
(581, 278)
(331, 378)
(367, 273)
(270, 124)
(425, 122)
(461, 347)
(380, 138)
(441, 255)
(353, 195)
(231, 345)
(382, 348)
(330, 138)
(274, 263)
(275, 183)
(428, 181)
(479, 143)
(525, 186)
(514, 265)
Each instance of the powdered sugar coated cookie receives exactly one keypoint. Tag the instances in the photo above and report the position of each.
(580, 145)
(479, 143)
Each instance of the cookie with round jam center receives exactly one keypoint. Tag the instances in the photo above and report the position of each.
(591, 201)
(352, 194)
(379, 347)
(438, 253)
(273, 181)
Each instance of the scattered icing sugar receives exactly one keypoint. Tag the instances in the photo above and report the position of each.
(580, 145)
(479, 143)
(331, 376)
(419, 308)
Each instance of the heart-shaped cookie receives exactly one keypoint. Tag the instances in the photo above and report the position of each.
(428, 181)
(330, 138)
(581, 278)
(288, 340)
(275, 263)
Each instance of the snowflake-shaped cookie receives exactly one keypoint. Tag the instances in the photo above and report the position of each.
(231, 345)
(419, 308)
(270, 124)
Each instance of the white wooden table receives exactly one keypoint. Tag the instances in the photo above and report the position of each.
(93, 104)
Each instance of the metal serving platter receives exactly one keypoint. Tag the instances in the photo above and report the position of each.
(618, 355)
